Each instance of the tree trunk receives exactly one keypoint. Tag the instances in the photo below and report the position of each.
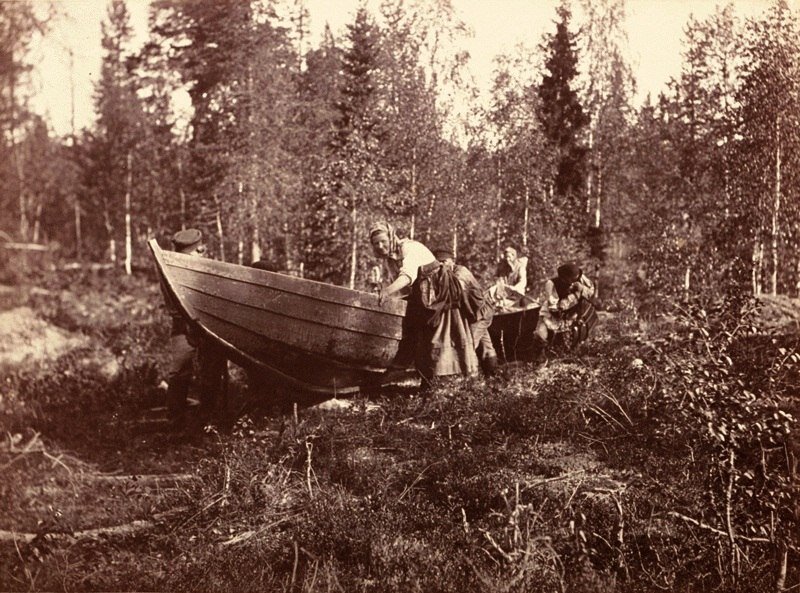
(590, 176)
(77, 201)
(599, 192)
(78, 236)
(128, 241)
(797, 278)
(255, 240)
(687, 281)
(112, 243)
(526, 215)
(413, 192)
(354, 247)
(431, 207)
(758, 266)
(498, 209)
(37, 223)
(220, 233)
(181, 192)
(24, 225)
(776, 209)
(23, 207)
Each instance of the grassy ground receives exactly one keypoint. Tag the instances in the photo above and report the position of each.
(603, 471)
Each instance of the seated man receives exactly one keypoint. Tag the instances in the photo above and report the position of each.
(561, 298)
(511, 278)
(477, 310)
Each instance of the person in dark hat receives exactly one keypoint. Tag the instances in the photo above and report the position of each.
(185, 345)
(189, 241)
(561, 297)
(477, 310)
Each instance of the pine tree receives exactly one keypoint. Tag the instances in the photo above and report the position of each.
(350, 188)
(562, 115)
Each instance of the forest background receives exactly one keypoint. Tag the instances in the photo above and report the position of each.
(292, 150)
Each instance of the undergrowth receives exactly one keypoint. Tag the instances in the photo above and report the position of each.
(659, 457)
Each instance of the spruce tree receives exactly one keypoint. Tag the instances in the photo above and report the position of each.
(562, 115)
(350, 188)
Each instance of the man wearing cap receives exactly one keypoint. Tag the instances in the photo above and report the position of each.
(477, 310)
(560, 300)
(185, 344)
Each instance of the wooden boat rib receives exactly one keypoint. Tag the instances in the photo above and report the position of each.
(318, 337)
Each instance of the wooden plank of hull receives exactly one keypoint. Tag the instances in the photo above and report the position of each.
(327, 293)
(333, 343)
(310, 372)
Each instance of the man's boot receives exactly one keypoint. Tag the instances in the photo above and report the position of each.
(540, 348)
(489, 366)
(177, 391)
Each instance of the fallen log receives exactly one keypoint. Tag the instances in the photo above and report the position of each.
(144, 478)
(26, 246)
(94, 533)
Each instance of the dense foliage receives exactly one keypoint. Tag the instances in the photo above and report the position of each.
(291, 150)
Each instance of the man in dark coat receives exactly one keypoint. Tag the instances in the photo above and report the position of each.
(185, 345)
(561, 298)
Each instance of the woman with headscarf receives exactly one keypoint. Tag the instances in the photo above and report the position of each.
(402, 258)
(435, 335)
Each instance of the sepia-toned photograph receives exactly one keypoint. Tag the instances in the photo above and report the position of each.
(395, 296)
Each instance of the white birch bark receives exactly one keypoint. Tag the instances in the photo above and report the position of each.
(78, 236)
(354, 247)
(526, 215)
(758, 263)
(128, 240)
(599, 192)
(220, 234)
(776, 205)
(413, 192)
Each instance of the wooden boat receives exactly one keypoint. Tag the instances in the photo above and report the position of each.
(512, 331)
(316, 337)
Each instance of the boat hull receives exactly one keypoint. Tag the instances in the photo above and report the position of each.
(314, 336)
(513, 334)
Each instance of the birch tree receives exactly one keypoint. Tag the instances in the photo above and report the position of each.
(768, 163)
(118, 131)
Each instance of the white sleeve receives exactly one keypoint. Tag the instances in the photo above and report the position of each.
(414, 255)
